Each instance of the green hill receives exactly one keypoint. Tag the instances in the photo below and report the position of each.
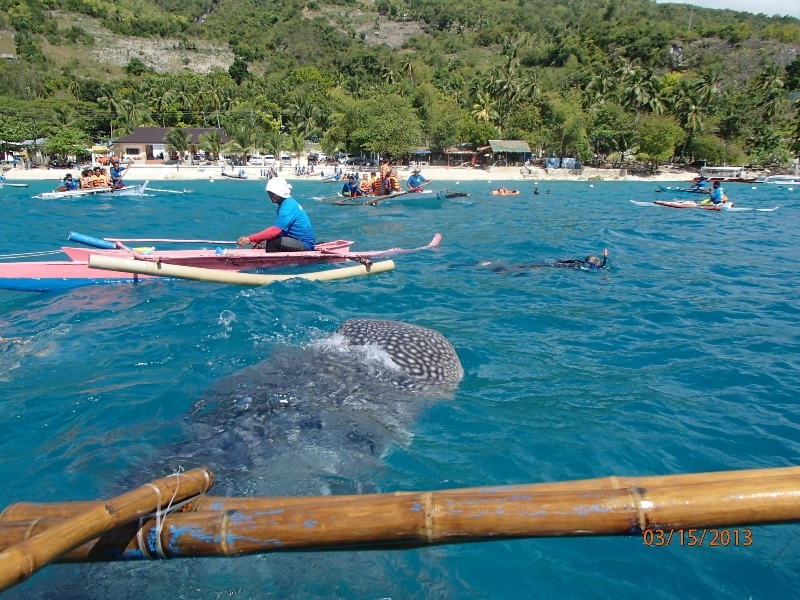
(583, 77)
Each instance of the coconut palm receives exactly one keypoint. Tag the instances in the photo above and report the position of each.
(243, 140)
(211, 143)
(484, 109)
(389, 75)
(408, 69)
(297, 143)
(63, 116)
(275, 142)
(178, 141)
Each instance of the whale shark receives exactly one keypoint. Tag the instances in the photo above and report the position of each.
(311, 420)
(318, 419)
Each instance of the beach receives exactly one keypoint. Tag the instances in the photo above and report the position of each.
(455, 174)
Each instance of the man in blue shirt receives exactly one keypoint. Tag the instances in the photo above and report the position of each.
(415, 182)
(717, 195)
(350, 188)
(117, 173)
(68, 184)
(292, 229)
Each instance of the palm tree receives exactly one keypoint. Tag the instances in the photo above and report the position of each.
(243, 140)
(297, 143)
(389, 76)
(211, 143)
(408, 69)
(484, 108)
(178, 141)
(329, 144)
(275, 142)
(63, 116)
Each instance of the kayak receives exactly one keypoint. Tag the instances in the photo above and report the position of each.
(6, 183)
(685, 204)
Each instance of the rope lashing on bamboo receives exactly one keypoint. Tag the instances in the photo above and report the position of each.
(21, 560)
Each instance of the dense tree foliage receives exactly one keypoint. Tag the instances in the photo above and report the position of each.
(582, 78)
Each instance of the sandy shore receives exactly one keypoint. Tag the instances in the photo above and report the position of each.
(455, 174)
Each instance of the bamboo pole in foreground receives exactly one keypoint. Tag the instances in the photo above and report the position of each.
(159, 269)
(26, 511)
(20, 561)
(448, 516)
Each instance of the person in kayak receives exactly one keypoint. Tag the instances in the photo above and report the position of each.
(699, 184)
(717, 195)
(292, 229)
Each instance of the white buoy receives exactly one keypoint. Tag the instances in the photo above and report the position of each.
(457, 182)
(211, 180)
(535, 183)
(591, 185)
(754, 188)
(791, 189)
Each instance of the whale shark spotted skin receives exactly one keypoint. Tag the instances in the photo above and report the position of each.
(420, 352)
(318, 419)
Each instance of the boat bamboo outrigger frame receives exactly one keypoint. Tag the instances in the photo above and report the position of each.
(188, 523)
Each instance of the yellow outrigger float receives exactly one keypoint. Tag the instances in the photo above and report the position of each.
(173, 518)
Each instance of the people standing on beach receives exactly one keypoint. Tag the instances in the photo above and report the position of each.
(415, 182)
(292, 230)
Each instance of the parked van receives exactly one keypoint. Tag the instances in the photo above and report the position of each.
(286, 159)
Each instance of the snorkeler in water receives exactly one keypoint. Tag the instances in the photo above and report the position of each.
(590, 263)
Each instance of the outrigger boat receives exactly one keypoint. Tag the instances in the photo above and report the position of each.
(724, 175)
(240, 175)
(128, 190)
(10, 184)
(374, 200)
(45, 276)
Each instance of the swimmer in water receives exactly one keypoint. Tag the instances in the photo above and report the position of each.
(590, 263)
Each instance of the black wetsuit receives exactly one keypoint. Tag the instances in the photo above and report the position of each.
(569, 263)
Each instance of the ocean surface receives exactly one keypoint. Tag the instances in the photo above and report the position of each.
(683, 357)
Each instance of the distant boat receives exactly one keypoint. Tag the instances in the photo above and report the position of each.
(782, 180)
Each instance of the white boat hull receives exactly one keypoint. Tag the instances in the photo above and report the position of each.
(131, 190)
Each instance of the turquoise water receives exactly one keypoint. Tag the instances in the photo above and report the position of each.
(682, 358)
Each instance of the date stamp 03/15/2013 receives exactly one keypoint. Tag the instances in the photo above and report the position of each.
(696, 538)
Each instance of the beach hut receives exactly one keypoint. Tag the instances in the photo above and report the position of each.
(508, 151)
(461, 155)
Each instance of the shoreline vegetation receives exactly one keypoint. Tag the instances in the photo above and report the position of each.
(601, 81)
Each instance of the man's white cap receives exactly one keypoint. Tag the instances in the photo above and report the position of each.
(280, 187)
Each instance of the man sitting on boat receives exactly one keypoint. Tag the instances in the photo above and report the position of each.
(68, 184)
(292, 229)
(415, 182)
(350, 188)
(117, 173)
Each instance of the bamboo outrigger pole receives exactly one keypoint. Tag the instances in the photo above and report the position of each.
(611, 506)
(159, 269)
(20, 561)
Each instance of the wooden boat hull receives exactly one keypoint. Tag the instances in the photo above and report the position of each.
(131, 190)
(229, 176)
(18, 185)
(229, 260)
(58, 275)
(728, 179)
